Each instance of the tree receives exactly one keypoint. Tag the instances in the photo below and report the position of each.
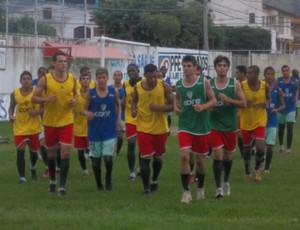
(25, 25)
(2, 16)
(247, 38)
(163, 27)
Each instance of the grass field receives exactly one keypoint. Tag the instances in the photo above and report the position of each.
(272, 204)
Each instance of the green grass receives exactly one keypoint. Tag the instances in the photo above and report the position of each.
(272, 204)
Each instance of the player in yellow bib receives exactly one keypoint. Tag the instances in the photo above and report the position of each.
(26, 124)
(81, 142)
(59, 98)
(152, 98)
(253, 120)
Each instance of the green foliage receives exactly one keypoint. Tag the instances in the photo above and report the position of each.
(25, 25)
(163, 27)
(247, 38)
(272, 204)
(2, 16)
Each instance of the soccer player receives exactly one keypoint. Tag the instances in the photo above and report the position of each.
(27, 125)
(240, 75)
(130, 122)
(253, 120)
(290, 87)
(275, 105)
(57, 91)
(81, 142)
(194, 97)
(118, 76)
(151, 100)
(223, 120)
(103, 109)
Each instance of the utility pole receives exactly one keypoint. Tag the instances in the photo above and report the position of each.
(62, 18)
(205, 26)
(6, 19)
(84, 21)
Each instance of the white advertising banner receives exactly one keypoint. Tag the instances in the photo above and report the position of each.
(171, 58)
(4, 105)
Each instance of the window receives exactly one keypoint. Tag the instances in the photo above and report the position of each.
(252, 18)
(47, 13)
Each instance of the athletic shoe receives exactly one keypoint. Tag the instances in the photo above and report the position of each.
(186, 197)
(57, 169)
(46, 174)
(52, 186)
(267, 171)
(281, 149)
(257, 176)
(132, 176)
(247, 178)
(61, 192)
(22, 180)
(226, 189)
(219, 193)
(108, 186)
(153, 186)
(100, 188)
(85, 172)
(200, 194)
(288, 151)
(146, 192)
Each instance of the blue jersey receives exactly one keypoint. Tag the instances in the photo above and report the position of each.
(103, 126)
(274, 103)
(121, 92)
(288, 90)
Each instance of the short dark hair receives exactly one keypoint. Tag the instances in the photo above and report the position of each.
(25, 72)
(255, 69)
(269, 68)
(242, 69)
(220, 58)
(101, 70)
(41, 69)
(295, 73)
(55, 55)
(84, 75)
(284, 66)
(190, 58)
(150, 68)
(84, 69)
(133, 65)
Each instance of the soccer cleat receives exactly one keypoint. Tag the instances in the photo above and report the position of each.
(247, 178)
(288, 151)
(256, 175)
(61, 192)
(281, 149)
(85, 172)
(267, 171)
(52, 186)
(100, 188)
(186, 197)
(200, 194)
(132, 176)
(46, 174)
(153, 186)
(219, 193)
(22, 180)
(226, 189)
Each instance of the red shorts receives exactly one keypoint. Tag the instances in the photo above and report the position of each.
(33, 141)
(226, 140)
(199, 144)
(249, 135)
(150, 144)
(81, 142)
(55, 135)
(130, 130)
